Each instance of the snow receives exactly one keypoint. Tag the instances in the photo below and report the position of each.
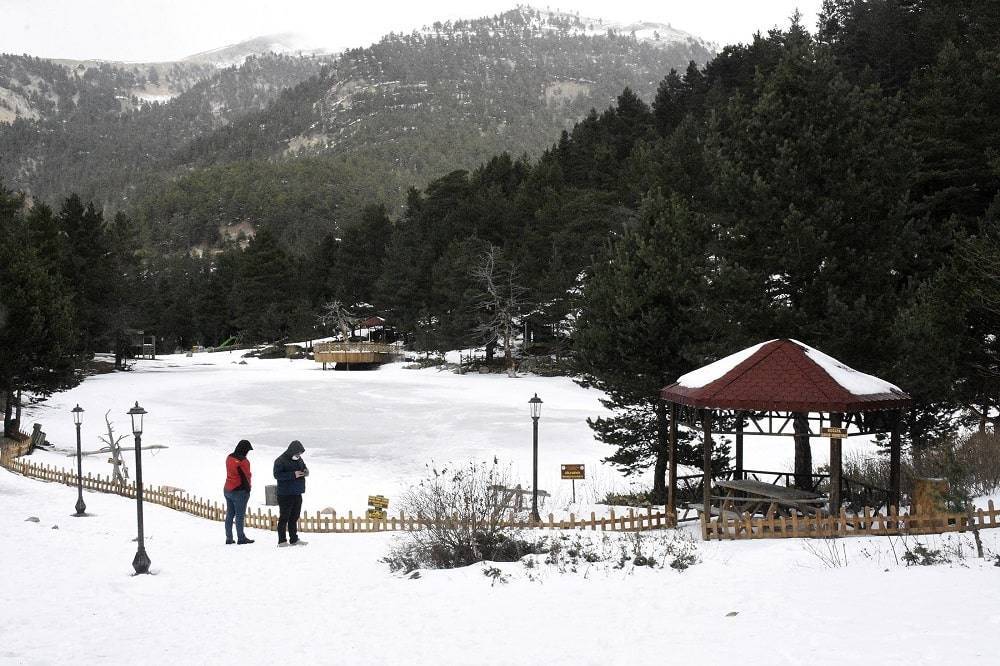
(706, 375)
(73, 599)
(858, 383)
(365, 432)
(372, 432)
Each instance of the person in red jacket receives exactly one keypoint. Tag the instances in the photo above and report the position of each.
(237, 491)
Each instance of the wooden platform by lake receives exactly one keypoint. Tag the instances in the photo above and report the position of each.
(357, 354)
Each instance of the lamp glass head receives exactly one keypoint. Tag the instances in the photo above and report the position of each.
(137, 413)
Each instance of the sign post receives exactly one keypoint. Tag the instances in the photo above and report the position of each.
(377, 504)
(572, 472)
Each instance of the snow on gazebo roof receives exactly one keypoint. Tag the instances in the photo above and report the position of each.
(787, 376)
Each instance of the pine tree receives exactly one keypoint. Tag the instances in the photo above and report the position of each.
(640, 324)
(38, 340)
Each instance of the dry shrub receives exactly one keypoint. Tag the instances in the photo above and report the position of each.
(465, 521)
(970, 463)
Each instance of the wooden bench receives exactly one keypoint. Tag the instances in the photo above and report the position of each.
(514, 498)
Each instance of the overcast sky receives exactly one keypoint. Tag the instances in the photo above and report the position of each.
(156, 30)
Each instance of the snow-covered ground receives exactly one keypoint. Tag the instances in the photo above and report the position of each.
(365, 433)
(68, 597)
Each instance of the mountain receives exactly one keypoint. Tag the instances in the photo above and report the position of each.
(235, 54)
(84, 129)
(376, 120)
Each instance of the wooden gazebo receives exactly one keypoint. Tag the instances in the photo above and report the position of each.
(786, 388)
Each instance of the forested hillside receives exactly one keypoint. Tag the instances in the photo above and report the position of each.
(88, 133)
(378, 119)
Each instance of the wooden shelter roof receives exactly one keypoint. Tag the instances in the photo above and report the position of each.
(783, 375)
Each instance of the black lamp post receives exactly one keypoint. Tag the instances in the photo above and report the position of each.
(141, 561)
(81, 508)
(536, 410)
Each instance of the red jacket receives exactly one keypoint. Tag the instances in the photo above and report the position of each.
(233, 469)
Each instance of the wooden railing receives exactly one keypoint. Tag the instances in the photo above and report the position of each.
(864, 523)
(356, 348)
(633, 521)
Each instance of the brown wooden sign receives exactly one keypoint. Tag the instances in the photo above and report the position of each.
(834, 433)
(376, 514)
(378, 501)
(574, 472)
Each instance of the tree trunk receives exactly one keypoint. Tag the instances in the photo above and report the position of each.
(803, 452)
(662, 453)
(4, 402)
(17, 412)
(508, 360)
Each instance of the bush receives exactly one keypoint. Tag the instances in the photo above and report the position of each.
(269, 352)
(970, 463)
(465, 521)
(547, 366)
(639, 498)
(921, 555)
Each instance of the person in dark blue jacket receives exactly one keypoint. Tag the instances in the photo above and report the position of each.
(291, 472)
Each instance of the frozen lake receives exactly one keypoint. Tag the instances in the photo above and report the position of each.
(365, 433)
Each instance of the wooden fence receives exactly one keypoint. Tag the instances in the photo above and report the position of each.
(864, 523)
(633, 521)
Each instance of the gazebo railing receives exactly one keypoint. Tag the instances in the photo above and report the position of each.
(855, 495)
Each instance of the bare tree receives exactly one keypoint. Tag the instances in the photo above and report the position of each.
(336, 314)
(119, 475)
(501, 301)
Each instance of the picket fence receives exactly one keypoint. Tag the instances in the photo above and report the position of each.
(324, 521)
(866, 523)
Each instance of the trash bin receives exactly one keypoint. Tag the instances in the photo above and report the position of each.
(271, 495)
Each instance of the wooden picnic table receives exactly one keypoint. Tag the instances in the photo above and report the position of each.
(760, 497)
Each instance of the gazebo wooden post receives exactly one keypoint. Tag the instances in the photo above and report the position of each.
(739, 445)
(803, 451)
(894, 459)
(706, 488)
(672, 490)
(836, 466)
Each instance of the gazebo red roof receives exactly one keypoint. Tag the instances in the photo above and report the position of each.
(787, 376)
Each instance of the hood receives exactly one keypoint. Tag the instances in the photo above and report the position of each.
(242, 448)
(295, 448)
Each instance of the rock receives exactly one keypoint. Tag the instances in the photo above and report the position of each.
(32, 519)
(732, 613)
(414, 575)
(484, 370)
(55, 527)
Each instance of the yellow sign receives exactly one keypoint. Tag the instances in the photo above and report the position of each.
(378, 501)
(574, 472)
(376, 514)
(834, 433)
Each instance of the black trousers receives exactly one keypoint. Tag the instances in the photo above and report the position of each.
(289, 507)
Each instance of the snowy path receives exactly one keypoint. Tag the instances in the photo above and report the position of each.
(68, 596)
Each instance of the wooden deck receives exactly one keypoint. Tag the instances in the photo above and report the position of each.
(363, 354)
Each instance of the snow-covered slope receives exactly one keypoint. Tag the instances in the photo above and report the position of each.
(234, 54)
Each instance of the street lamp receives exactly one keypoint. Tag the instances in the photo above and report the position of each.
(141, 561)
(535, 405)
(81, 508)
